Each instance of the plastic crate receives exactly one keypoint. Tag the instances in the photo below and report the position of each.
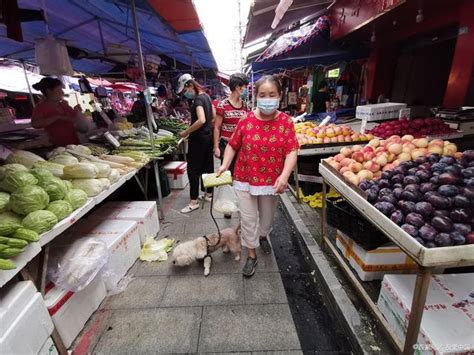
(342, 216)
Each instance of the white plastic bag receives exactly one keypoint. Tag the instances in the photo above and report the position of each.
(52, 57)
(73, 266)
(225, 200)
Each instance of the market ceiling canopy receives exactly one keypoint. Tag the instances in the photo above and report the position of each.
(262, 15)
(92, 27)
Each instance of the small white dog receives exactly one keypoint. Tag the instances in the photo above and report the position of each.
(186, 253)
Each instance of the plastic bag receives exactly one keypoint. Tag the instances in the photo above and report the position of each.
(225, 200)
(52, 57)
(156, 250)
(73, 266)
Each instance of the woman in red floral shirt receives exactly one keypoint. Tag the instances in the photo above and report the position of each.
(266, 147)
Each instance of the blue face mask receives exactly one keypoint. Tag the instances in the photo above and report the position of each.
(268, 105)
(189, 95)
(244, 93)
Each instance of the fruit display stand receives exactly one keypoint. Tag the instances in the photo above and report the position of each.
(427, 258)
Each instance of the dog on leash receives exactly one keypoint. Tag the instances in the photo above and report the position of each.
(186, 253)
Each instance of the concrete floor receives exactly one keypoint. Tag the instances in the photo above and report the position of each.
(166, 309)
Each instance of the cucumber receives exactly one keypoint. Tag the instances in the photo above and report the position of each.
(17, 243)
(26, 234)
(10, 252)
(3, 247)
(6, 265)
(4, 240)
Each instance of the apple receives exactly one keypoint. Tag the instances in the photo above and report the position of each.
(337, 130)
(380, 149)
(346, 131)
(421, 142)
(346, 151)
(408, 147)
(355, 167)
(450, 149)
(372, 166)
(439, 142)
(356, 148)
(365, 174)
(391, 157)
(369, 136)
(458, 155)
(320, 134)
(395, 148)
(346, 161)
(381, 159)
(319, 140)
(408, 137)
(435, 149)
(374, 142)
(368, 148)
(358, 156)
(394, 138)
(377, 175)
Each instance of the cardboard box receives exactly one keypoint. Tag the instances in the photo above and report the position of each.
(374, 264)
(177, 174)
(145, 213)
(25, 324)
(448, 322)
(71, 310)
(122, 239)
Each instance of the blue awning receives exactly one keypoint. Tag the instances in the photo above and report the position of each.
(80, 23)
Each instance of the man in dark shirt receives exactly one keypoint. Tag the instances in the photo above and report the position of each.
(321, 99)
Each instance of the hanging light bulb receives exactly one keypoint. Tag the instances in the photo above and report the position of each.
(419, 16)
(373, 38)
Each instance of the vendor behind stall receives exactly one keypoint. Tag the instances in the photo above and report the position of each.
(59, 120)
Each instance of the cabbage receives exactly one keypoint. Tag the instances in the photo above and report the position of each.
(16, 180)
(41, 174)
(114, 176)
(29, 199)
(76, 197)
(4, 200)
(55, 188)
(81, 171)
(40, 221)
(9, 223)
(91, 187)
(60, 208)
(54, 168)
(68, 185)
(80, 149)
(64, 159)
(105, 183)
(10, 168)
(23, 157)
(104, 169)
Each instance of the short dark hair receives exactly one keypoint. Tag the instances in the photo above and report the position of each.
(322, 84)
(271, 79)
(47, 84)
(238, 79)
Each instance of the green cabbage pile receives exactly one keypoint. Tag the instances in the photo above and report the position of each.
(40, 221)
(29, 199)
(15, 180)
(60, 208)
(9, 223)
(76, 197)
(54, 187)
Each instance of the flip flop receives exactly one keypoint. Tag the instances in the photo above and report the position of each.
(189, 208)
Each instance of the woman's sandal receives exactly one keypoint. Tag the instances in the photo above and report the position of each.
(189, 208)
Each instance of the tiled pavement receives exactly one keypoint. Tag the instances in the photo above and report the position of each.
(166, 309)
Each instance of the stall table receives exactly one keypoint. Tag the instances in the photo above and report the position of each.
(427, 258)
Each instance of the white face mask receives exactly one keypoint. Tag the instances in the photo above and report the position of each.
(268, 105)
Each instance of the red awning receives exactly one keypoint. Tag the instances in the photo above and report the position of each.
(99, 82)
(126, 87)
(179, 14)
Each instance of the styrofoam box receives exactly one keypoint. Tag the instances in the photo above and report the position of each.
(71, 310)
(381, 111)
(25, 322)
(48, 348)
(374, 264)
(447, 326)
(144, 213)
(122, 239)
(177, 174)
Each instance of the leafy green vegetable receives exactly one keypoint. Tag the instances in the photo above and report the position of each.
(11, 168)
(55, 188)
(23, 157)
(60, 208)
(41, 174)
(40, 221)
(17, 179)
(4, 200)
(26, 234)
(68, 185)
(76, 197)
(9, 223)
(56, 169)
(29, 199)
(92, 187)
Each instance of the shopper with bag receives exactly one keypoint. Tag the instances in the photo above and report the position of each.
(60, 121)
(266, 147)
(200, 159)
(228, 114)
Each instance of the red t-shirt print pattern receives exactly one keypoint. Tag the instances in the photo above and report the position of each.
(262, 147)
(230, 117)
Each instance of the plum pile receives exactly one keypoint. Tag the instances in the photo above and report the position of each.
(419, 127)
(430, 198)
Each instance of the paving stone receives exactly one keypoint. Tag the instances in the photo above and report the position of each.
(247, 328)
(198, 290)
(171, 229)
(264, 288)
(152, 331)
(141, 292)
(289, 352)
